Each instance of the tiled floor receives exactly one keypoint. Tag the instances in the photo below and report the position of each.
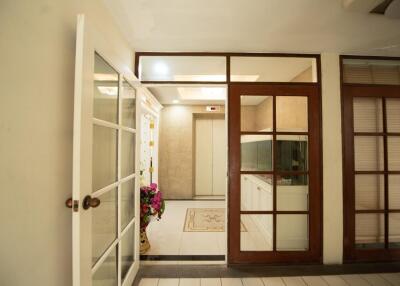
(379, 279)
(168, 238)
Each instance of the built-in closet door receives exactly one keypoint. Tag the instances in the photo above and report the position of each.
(203, 157)
(210, 157)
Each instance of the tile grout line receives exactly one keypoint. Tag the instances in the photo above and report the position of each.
(327, 283)
(365, 279)
(383, 277)
(304, 281)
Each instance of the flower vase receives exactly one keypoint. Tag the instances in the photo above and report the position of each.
(144, 242)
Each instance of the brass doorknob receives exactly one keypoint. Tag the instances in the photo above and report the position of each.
(68, 203)
(89, 202)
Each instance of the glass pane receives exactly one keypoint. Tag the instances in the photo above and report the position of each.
(291, 113)
(394, 191)
(256, 113)
(127, 154)
(370, 230)
(393, 153)
(273, 69)
(368, 153)
(256, 232)
(370, 192)
(182, 68)
(292, 153)
(256, 192)
(127, 202)
(104, 223)
(128, 105)
(292, 232)
(292, 193)
(256, 152)
(371, 71)
(104, 156)
(393, 114)
(105, 98)
(367, 114)
(394, 230)
(106, 275)
(127, 251)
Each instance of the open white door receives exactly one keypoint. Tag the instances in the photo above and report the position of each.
(105, 200)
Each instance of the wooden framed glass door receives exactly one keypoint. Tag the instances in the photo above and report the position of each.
(274, 173)
(371, 139)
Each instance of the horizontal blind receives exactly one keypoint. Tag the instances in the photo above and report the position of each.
(371, 72)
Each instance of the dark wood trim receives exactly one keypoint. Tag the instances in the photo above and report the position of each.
(273, 132)
(182, 257)
(228, 56)
(348, 92)
(274, 212)
(183, 82)
(376, 133)
(376, 172)
(231, 54)
(358, 57)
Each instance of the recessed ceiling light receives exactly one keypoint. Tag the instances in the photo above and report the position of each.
(161, 68)
(175, 101)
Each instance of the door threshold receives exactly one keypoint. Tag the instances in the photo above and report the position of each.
(182, 258)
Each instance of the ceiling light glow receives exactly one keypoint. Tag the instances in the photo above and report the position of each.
(203, 93)
(161, 68)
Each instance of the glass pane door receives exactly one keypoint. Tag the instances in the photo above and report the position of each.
(113, 176)
(274, 173)
(371, 172)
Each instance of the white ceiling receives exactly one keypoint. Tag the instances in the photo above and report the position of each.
(167, 94)
(296, 26)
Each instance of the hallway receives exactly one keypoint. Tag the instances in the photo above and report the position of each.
(168, 236)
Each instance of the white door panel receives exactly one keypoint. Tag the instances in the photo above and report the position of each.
(104, 232)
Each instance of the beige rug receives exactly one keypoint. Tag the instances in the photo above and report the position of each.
(206, 220)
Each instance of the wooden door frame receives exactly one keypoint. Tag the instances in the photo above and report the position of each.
(314, 254)
(351, 254)
(279, 85)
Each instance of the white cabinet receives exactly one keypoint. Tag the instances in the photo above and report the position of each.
(292, 230)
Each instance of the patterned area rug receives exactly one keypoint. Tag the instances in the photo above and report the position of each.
(206, 220)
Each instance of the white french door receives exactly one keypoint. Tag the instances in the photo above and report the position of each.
(105, 201)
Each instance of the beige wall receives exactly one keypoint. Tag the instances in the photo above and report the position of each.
(332, 163)
(291, 114)
(176, 150)
(304, 76)
(36, 112)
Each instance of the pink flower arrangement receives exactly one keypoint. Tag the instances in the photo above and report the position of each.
(151, 204)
